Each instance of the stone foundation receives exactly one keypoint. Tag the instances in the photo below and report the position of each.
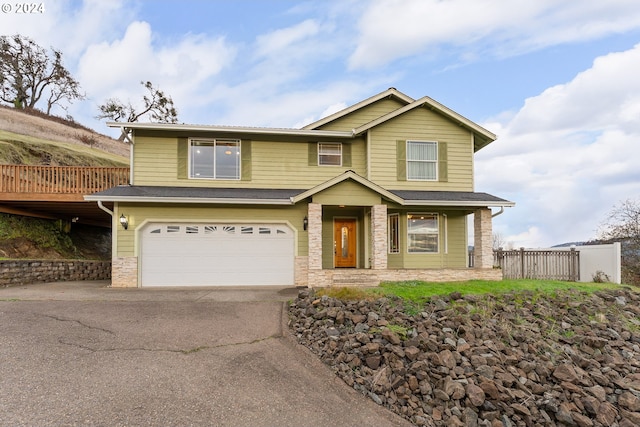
(301, 273)
(349, 277)
(124, 272)
(21, 272)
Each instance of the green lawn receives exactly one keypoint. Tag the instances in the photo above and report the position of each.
(421, 291)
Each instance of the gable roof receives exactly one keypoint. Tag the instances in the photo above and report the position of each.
(343, 177)
(482, 137)
(389, 93)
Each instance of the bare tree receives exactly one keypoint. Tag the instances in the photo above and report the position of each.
(158, 106)
(28, 72)
(623, 225)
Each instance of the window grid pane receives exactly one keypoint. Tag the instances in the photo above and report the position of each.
(422, 160)
(330, 154)
(394, 234)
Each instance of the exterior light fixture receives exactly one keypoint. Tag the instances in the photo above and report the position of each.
(124, 222)
(305, 223)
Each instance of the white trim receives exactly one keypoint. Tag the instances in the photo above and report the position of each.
(387, 93)
(434, 105)
(233, 130)
(192, 200)
(348, 175)
(462, 204)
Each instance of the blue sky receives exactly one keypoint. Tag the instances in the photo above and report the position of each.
(555, 80)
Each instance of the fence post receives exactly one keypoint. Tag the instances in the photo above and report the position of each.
(572, 265)
(522, 263)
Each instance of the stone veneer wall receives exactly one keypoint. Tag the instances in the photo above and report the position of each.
(301, 272)
(379, 237)
(124, 273)
(16, 272)
(327, 278)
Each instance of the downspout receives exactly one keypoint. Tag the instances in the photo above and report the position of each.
(493, 215)
(104, 208)
(113, 230)
(130, 141)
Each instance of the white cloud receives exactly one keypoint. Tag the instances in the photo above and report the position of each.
(69, 26)
(392, 29)
(572, 150)
(115, 69)
(282, 39)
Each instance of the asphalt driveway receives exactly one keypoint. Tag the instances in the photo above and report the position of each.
(84, 354)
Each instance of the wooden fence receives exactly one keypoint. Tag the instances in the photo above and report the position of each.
(60, 179)
(537, 264)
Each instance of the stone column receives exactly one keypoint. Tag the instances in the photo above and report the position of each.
(379, 237)
(314, 231)
(483, 239)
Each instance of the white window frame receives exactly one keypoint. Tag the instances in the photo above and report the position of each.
(214, 142)
(320, 153)
(422, 215)
(391, 219)
(433, 161)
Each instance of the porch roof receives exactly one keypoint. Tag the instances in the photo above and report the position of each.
(450, 198)
(160, 194)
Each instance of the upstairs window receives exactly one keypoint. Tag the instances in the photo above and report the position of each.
(330, 154)
(215, 159)
(422, 160)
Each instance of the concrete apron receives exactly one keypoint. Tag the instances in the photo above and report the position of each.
(81, 353)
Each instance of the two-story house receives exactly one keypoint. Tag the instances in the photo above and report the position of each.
(378, 191)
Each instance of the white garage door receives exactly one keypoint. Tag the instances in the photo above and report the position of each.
(217, 254)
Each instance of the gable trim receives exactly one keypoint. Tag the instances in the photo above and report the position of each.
(478, 130)
(343, 177)
(391, 92)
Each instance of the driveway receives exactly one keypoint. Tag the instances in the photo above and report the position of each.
(79, 353)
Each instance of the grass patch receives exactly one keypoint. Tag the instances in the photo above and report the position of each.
(422, 291)
(29, 150)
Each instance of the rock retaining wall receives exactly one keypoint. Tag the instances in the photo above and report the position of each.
(19, 272)
(515, 360)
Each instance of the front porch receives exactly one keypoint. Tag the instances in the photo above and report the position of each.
(371, 265)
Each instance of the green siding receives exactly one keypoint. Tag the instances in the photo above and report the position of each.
(347, 193)
(364, 115)
(137, 213)
(273, 164)
(425, 125)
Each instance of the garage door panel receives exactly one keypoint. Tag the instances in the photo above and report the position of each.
(217, 255)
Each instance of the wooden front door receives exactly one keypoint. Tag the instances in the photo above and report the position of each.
(344, 242)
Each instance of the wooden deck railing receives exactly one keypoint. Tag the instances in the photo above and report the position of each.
(60, 179)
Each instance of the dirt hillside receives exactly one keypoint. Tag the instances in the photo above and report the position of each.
(23, 123)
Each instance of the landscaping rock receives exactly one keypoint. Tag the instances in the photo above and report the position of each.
(520, 359)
